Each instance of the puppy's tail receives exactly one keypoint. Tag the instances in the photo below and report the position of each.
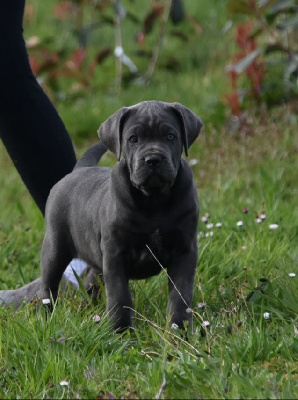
(92, 156)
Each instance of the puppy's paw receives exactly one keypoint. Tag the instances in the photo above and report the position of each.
(122, 320)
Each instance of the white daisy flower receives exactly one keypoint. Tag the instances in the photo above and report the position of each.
(266, 315)
(209, 234)
(201, 234)
(64, 383)
(205, 218)
(205, 324)
(96, 318)
(273, 226)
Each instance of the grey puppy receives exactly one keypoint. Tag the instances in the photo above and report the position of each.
(117, 219)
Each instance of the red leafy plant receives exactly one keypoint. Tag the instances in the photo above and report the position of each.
(268, 58)
(248, 63)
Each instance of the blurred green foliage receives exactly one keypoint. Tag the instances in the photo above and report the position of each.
(75, 63)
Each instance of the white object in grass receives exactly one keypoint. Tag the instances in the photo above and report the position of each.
(239, 223)
(45, 302)
(266, 315)
(292, 274)
(205, 324)
(209, 234)
(96, 318)
(64, 383)
(79, 267)
(273, 226)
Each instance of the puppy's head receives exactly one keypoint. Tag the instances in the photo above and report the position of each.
(151, 135)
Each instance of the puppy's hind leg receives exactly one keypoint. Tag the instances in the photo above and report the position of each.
(54, 260)
(92, 282)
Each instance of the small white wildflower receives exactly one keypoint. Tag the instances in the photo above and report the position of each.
(64, 383)
(174, 326)
(209, 234)
(96, 318)
(273, 226)
(209, 226)
(201, 234)
(218, 225)
(259, 220)
(188, 310)
(205, 324)
(45, 302)
(193, 162)
(239, 223)
(244, 247)
(266, 315)
(292, 274)
(263, 216)
(201, 305)
(205, 218)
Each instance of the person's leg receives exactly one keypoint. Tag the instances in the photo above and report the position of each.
(30, 127)
(27, 293)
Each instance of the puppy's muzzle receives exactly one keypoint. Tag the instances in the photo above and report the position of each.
(153, 160)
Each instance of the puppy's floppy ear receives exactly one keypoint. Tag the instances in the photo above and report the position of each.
(110, 131)
(191, 125)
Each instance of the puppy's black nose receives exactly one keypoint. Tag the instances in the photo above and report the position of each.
(153, 160)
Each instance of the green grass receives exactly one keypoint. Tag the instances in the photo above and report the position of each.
(241, 354)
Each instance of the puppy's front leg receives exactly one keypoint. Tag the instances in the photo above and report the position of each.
(119, 302)
(181, 275)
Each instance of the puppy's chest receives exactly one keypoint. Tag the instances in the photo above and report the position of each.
(155, 242)
(146, 245)
(147, 255)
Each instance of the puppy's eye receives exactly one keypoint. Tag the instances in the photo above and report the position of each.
(133, 139)
(170, 137)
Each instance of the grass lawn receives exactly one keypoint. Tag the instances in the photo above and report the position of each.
(245, 339)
